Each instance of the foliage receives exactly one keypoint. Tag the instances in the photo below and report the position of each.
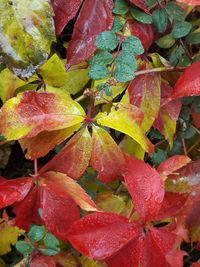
(99, 133)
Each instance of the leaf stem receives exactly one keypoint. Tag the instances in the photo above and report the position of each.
(35, 167)
(161, 69)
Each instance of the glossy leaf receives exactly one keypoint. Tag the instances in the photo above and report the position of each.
(46, 140)
(62, 185)
(160, 18)
(106, 41)
(126, 119)
(30, 113)
(145, 186)
(99, 235)
(133, 45)
(144, 32)
(141, 16)
(120, 7)
(173, 164)
(144, 92)
(189, 82)
(42, 260)
(74, 158)
(14, 190)
(24, 248)
(27, 211)
(36, 232)
(106, 156)
(64, 11)
(53, 205)
(25, 43)
(181, 29)
(95, 17)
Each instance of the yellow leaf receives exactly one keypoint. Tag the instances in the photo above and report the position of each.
(126, 119)
(85, 262)
(131, 147)
(8, 236)
(55, 74)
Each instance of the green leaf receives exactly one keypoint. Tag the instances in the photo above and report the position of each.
(132, 44)
(106, 41)
(101, 58)
(193, 38)
(51, 242)
(105, 87)
(196, 105)
(176, 56)
(125, 65)
(36, 233)
(121, 7)
(181, 29)
(141, 16)
(165, 41)
(160, 19)
(48, 251)
(27, 31)
(157, 157)
(98, 72)
(24, 248)
(117, 25)
(175, 11)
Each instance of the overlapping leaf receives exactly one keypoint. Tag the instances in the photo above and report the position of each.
(106, 156)
(126, 119)
(145, 186)
(27, 32)
(95, 17)
(64, 11)
(30, 113)
(144, 92)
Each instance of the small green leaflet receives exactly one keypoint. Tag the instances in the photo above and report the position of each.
(105, 87)
(141, 16)
(181, 29)
(24, 248)
(101, 58)
(36, 233)
(51, 242)
(165, 41)
(133, 45)
(125, 65)
(175, 11)
(48, 251)
(160, 20)
(98, 72)
(193, 38)
(106, 41)
(121, 7)
(117, 25)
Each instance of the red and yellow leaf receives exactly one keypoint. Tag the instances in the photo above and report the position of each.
(30, 113)
(74, 158)
(106, 157)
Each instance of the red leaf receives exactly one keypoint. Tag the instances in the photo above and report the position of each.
(189, 82)
(42, 261)
(74, 158)
(107, 158)
(94, 18)
(64, 11)
(141, 4)
(196, 119)
(27, 210)
(171, 205)
(64, 186)
(14, 190)
(190, 2)
(100, 235)
(144, 32)
(145, 186)
(172, 164)
(58, 212)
